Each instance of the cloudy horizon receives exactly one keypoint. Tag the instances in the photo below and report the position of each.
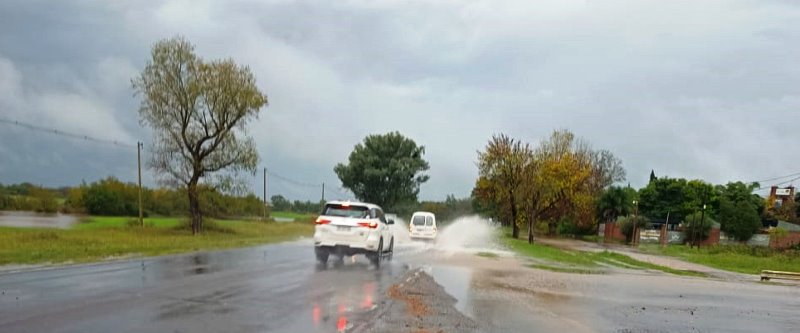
(707, 90)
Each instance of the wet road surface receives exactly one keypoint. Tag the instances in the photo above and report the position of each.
(275, 288)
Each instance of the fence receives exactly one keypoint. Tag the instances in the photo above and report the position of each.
(611, 233)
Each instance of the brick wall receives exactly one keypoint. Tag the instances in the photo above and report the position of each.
(613, 232)
(792, 239)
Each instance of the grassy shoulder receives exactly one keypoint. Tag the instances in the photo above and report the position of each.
(292, 215)
(99, 238)
(735, 258)
(559, 260)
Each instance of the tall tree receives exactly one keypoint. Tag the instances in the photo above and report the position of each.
(738, 219)
(615, 202)
(502, 164)
(385, 170)
(653, 176)
(557, 178)
(198, 111)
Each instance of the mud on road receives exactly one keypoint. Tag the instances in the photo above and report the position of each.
(418, 304)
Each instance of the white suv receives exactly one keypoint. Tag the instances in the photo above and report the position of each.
(348, 228)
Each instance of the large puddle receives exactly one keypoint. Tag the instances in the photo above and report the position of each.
(36, 220)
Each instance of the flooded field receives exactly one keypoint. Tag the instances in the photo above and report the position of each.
(36, 220)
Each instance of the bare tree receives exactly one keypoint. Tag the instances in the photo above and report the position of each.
(198, 112)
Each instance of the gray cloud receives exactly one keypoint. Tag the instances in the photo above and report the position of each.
(692, 89)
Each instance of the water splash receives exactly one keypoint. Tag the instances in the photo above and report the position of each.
(470, 234)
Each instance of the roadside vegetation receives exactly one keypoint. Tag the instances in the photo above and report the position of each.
(735, 258)
(100, 238)
(581, 262)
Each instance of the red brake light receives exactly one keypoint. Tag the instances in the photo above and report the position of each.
(371, 225)
(322, 221)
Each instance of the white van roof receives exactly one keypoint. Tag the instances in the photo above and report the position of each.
(423, 214)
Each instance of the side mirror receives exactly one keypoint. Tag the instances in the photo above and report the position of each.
(389, 221)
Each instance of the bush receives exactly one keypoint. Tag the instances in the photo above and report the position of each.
(739, 220)
(626, 224)
(699, 225)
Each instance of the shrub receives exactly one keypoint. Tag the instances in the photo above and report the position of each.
(699, 225)
(626, 224)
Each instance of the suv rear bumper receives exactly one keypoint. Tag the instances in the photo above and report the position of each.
(345, 250)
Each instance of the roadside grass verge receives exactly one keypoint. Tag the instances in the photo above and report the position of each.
(291, 215)
(109, 237)
(582, 262)
(734, 258)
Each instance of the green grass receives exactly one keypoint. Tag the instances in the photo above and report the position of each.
(104, 222)
(106, 237)
(734, 258)
(583, 262)
(292, 215)
(572, 270)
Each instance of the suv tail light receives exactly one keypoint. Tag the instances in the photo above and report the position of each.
(371, 225)
(322, 221)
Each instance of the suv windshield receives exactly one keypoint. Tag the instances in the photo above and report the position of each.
(346, 211)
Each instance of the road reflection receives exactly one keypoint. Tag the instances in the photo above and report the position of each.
(342, 295)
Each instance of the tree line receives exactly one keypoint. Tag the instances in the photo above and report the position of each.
(112, 197)
(565, 186)
(557, 182)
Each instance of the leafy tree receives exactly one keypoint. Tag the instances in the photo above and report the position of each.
(739, 191)
(738, 219)
(279, 203)
(501, 164)
(198, 111)
(676, 197)
(699, 225)
(385, 170)
(615, 202)
(556, 180)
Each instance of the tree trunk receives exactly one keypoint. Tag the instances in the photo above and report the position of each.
(531, 223)
(551, 228)
(514, 226)
(194, 208)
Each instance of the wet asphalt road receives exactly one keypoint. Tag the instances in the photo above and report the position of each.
(274, 288)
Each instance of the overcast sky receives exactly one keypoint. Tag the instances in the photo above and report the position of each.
(695, 89)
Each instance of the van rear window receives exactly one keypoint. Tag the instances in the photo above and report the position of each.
(345, 211)
(418, 220)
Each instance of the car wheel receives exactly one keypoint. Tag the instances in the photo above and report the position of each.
(390, 252)
(322, 255)
(376, 257)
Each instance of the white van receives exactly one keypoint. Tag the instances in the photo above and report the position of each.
(422, 225)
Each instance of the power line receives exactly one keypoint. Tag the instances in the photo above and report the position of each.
(64, 133)
(777, 178)
(779, 184)
(292, 181)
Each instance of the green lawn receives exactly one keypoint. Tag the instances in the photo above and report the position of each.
(739, 258)
(99, 238)
(559, 260)
(292, 215)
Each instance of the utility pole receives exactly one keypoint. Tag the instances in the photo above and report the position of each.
(635, 236)
(139, 146)
(702, 221)
(265, 194)
(323, 192)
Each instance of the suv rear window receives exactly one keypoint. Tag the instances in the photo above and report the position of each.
(418, 220)
(345, 211)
